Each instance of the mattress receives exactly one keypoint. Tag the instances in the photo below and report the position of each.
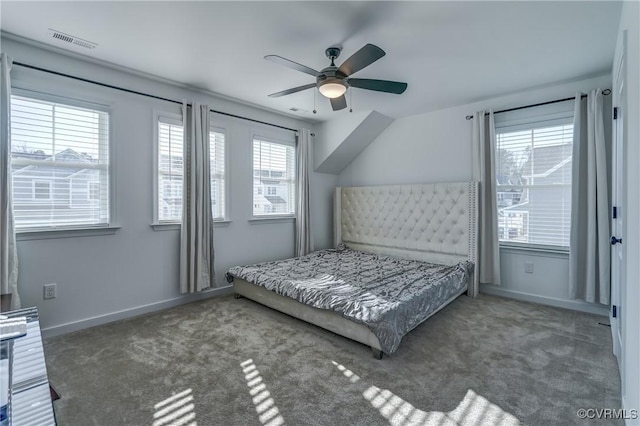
(388, 294)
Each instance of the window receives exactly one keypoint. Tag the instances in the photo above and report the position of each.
(273, 167)
(533, 172)
(171, 171)
(41, 189)
(218, 182)
(56, 151)
(93, 191)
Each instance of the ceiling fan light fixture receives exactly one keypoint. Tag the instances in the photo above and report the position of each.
(332, 89)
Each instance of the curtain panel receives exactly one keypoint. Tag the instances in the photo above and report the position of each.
(484, 171)
(589, 255)
(8, 248)
(304, 243)
(196, 235)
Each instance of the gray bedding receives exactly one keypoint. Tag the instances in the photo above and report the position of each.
(389, 294)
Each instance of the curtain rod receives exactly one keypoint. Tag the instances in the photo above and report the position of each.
(604, 92)
(135, 92)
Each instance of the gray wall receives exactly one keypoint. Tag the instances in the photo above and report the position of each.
(436, 147)
(106, 277)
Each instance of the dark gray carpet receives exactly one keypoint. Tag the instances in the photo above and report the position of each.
(233, 362)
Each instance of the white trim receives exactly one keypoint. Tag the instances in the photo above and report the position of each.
(166, 226)
(24, 92)
(27, 234)
(89, 183)
(176, 226)
(534, 248)
(227, 189)
(173, 119)
(159, 116)
(33, 189)
(575, 305)
(106, 108)
(529, 123)
(259, 220)
(278, 140)
(536, 121)
(69, 327)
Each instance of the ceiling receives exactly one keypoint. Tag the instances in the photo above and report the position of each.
(449, 53)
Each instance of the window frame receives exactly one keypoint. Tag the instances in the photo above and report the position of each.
(171, 119)
(176, 119)
(276, 139)
(71, 230)
(33, 189)
(527, 120)
(226, 213)
(89, 191)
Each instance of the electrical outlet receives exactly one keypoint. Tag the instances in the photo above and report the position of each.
(50, 291)
(528, 267)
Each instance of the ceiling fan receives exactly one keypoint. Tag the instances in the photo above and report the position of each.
(334, 81)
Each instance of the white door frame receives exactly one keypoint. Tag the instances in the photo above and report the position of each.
(618, 186)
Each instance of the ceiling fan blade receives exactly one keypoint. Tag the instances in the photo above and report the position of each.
(293, 65)
(338, 103)
(362, 58)
(378, 85)
(292, 90)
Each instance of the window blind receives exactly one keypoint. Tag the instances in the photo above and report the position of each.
(533, 172)
(218, 182)
(273, 178)
(59, 164)
(171, 171)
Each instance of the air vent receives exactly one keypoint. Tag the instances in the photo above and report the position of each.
(60, 36)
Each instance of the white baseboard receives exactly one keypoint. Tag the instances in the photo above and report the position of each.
(69, 327)
(576, 305)
(631, 413)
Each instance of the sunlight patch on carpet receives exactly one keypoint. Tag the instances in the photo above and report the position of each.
(266, 408)
(474, 409)
(177, 410)
(347, 373)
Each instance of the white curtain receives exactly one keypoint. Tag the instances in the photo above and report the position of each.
(589, 256)
(8, 248)
(196, 236)
(304, 243)
(484, 171)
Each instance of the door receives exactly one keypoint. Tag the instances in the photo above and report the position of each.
(617, 198)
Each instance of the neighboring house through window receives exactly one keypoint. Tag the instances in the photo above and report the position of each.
(170, 171)
(273, 177)
(58, 153)
(533, 172)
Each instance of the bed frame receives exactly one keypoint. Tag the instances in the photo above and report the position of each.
(434, 223)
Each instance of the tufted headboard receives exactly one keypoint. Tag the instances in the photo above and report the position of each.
(433, 222)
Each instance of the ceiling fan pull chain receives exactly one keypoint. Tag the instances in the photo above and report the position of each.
(350, 100)
(314, 102)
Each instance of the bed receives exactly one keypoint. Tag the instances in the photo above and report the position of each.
(403, 252)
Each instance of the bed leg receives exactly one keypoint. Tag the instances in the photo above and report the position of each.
(236, 296)
(377, 353)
